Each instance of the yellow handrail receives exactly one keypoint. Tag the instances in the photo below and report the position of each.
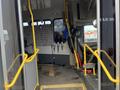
(13, 63)
(111, 60)
(25, 59)
(7, 86)
(32, 56)
(34, 40)
(117, 80)
(68, 27)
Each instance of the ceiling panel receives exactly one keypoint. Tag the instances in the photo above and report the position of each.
(41, 4)
(37, 4)
(34, 4)
(47, 3)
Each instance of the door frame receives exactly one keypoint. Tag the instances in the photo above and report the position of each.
(3, 52)
(117, 19)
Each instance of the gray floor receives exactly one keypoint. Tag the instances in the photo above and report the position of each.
(63, 75)
(90, 81)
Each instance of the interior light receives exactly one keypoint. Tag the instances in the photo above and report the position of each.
(40, 22)
(47, 22)
(25, 24)
(35, 23)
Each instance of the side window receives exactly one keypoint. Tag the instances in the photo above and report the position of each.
(60, 31)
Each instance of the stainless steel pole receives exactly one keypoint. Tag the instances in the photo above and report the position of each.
(117, 10)
(21, 37)
(98, 42)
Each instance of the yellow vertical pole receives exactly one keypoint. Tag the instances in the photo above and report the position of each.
(41, 87)
(33, 28)
(6, 88)
(94, 73)
(76, 58)
(68, 26)
(84, 87)
(85, 70)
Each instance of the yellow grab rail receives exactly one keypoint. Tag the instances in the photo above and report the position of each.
(111, 60)
(30, 59)
(33, 28)
(7, 86)
(117, 80)
(26, 59)
(34, 40)
(68, 27)
(13, 63)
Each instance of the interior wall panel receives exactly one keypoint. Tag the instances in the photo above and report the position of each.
(11, 46)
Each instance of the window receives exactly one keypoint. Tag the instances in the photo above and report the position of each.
(59, 25)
